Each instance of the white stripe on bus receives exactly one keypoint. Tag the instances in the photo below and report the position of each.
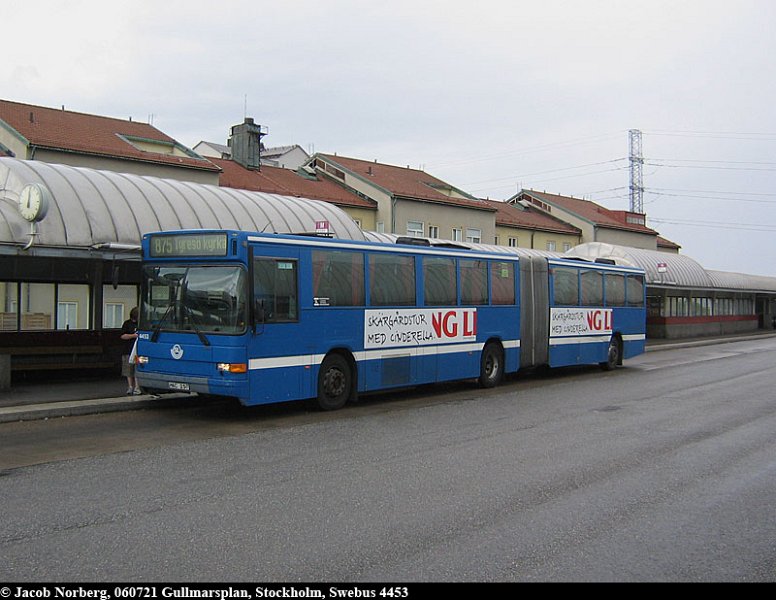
(307, 360)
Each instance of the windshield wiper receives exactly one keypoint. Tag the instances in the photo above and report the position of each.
(175, 285)
(193, 321)
(158, 327)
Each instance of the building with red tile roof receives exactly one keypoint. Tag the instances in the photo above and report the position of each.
(524, 226)
(301, 183)
(597, 223)
(666, 245)
(410, 201)
(66, 137)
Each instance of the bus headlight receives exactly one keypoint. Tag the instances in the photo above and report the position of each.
(232, 367)
(142, 360)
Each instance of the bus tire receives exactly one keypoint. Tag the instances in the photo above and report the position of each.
(335, 382)
(491, 365)
(613, 354)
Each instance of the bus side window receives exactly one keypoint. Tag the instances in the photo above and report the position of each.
(502, 282)
(275, 289)
(565, 286)
(439, 281)
(474, 282)
(391, 280)
(592, 288)
(338, 277)
(615, 289)
(634, 286)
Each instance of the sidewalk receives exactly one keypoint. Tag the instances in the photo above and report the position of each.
(27, 401)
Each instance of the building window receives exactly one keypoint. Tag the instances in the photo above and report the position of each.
(112, 315)
(551, 246)
(473, 236)
(116, 304)
(433, 231)
(457, 235)
(566, 246)
(414, 229)
(512, 242)
(37, 306)
(72, 306)
(380, 227)
(9, 314)
(67, 315)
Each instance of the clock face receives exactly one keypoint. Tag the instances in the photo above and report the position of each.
(33, 202)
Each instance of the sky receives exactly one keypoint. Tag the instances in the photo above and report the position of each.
(491, 96)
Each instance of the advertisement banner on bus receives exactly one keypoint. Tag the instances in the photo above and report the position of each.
(580, 321)
(419, 327)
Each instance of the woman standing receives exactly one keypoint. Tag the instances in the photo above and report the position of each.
(129, 334)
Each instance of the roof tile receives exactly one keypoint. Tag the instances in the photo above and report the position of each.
(595, 213)
(275, 180)
(406, 182)
(516, 215)
(60, 129)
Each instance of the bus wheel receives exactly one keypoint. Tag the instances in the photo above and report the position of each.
(613, 355)
(491, 365)
(334, 382)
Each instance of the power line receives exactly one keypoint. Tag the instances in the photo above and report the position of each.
(716, 224)
(724, 162)
(721, 192)
(722, 135)
(654, 164)
(524, 175)
(583, 174)
(725, 199)
(527, 150)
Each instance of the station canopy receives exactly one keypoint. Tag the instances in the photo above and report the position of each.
(93, 210)
(664, 269)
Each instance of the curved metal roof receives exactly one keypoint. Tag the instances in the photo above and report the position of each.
(390, 238)
(680, 271)
(741, 281)
(92, 208)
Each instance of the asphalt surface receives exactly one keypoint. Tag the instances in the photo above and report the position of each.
(660, 471)
(31, 400)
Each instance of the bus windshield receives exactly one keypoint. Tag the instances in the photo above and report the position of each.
(187, 298)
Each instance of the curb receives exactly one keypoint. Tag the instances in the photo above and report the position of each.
(35, 412)
(69, 408)
(705, 342)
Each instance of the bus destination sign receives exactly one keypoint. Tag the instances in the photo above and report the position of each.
(199, 244)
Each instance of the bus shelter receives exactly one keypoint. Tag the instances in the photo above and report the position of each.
(686, 300)
(70, 251)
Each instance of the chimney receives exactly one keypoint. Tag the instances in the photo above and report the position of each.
(245, 142)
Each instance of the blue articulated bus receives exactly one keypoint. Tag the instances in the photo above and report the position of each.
(271, 318)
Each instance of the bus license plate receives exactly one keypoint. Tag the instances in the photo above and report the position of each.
(181, 387)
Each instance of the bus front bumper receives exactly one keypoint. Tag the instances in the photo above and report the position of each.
(171, 382)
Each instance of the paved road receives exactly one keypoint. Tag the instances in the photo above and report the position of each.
(663, 470)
